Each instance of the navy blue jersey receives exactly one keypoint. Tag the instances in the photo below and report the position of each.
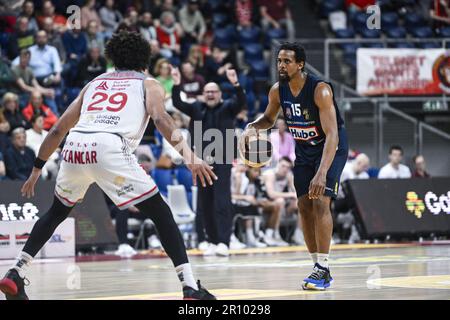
(302, 118)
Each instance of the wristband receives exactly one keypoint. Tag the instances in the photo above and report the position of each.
(38, 163)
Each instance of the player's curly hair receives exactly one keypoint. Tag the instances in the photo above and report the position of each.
(128, 51)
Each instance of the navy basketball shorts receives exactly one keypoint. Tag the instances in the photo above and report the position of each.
(307, 164)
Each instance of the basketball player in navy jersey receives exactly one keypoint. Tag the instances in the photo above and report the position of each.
(313, 118)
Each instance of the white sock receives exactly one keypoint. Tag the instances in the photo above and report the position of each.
(314, 257)
(250, 235)
(269, 233)
(184, 273)
(22, 263)
(322, 259)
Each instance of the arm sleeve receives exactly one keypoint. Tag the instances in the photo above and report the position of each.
(186, 108)
(238, 103)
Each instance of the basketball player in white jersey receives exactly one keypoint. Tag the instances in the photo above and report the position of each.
(106, 123)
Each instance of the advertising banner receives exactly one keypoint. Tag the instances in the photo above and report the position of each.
(403, 71)
(402, 206)
(93, 226)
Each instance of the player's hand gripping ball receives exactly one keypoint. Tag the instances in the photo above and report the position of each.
(255, 148)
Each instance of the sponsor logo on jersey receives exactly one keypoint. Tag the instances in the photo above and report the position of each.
(304, 133)
(102, 86)
(124, 190)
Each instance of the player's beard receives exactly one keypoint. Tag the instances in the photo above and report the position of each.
(284, 77)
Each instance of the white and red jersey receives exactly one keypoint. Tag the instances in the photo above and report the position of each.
(114, 102)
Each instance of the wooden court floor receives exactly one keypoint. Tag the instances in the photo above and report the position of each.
(360, 272)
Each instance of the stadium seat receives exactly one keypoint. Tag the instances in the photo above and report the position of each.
(370, 33)
(350, 60)
(163, 178)
(328, 6)
(422, 32)
(249, 35)
(253, 51)
(219, 20)
(178, 203)
(413, 20)
(350, 47)
(360, 21)
(224, 37)
(396, 32)
(272, 34)
(389, 20)
(373, 45)
(259, 70)
(184, 177)
(444, 32)
(373, 172)
(345, 33)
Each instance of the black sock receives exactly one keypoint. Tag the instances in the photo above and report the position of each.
(45, 226)
(156, 209)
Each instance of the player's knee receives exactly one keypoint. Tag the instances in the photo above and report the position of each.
(321, 206)
(305, 207)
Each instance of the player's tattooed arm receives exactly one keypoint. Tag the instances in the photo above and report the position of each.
(267, 120)
(165, 124)
(323, 97)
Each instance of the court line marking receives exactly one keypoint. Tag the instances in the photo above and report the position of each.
(222, 294)
(441, 282)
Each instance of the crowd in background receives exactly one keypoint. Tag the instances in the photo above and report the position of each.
(46, 60)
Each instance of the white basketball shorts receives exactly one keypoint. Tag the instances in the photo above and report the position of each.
(102, 158)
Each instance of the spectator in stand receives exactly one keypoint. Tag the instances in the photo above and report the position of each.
(275, 14)
(35, 136)
(21, 39)
(155, 55)
(44, 61)
(162, 74)
(283, 144)
(19, 159)
(279, 183)
(6, 76)
(110, 18)
(11, 112)
(4, 129)
(76, 47)
(94, 37)
(168, 5)
(2, 168)
(420, 167)
(394, 169)
(28, 11)
(169, 34)
(192, 22)
(146, 27)
(131, 21)
(89, 13)
(191, 82)
(26, 83)
(440, 13)
(196, 58)
(244, 12)
(48, 10)
(214, 207)
(54, 38)
(90, 67)
(358, 5)
(37, 106)
(217, 64)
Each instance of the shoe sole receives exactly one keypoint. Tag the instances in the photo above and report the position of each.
(313, 287)
(7, 286)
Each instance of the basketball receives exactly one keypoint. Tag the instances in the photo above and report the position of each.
(256, 151)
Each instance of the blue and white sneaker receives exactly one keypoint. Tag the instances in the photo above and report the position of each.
(319, 279)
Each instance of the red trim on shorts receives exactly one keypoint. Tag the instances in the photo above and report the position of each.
(65, 199)
(144, 194)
